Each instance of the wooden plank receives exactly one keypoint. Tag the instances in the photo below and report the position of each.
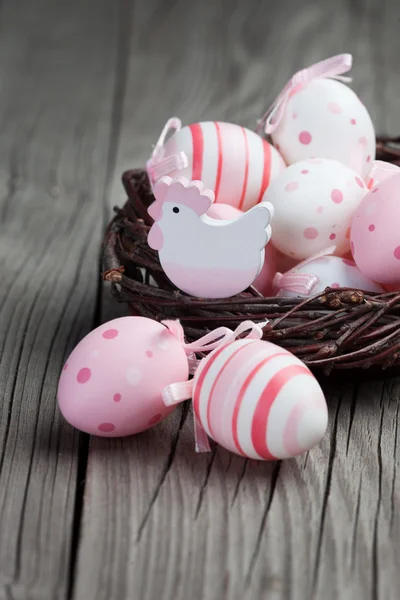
(164, 521)
(57, 78)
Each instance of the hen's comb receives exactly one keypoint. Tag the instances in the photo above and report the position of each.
(192, 194)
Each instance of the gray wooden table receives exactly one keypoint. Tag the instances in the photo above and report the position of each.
(85, 87)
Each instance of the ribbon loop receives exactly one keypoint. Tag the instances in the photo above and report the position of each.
(332, 67)
(299, 283)
(160, 165)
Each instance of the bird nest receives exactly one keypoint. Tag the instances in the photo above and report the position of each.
(336, 330)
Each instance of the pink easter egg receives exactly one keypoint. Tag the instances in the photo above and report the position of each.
(326, 118)
(263, 282)
(375, 233)
(328, 271)
(314, 201)
(258, 400)
(380, 171)
(111, 383)
(232, 161)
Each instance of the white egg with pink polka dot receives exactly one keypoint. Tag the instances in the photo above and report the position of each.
(314, 201)
(326, 118)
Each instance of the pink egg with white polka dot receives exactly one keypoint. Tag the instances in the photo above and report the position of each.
(263, 281)
(316, 275)
(258, 400)
(314, 201)
(326, 118)
(111, 383)
(375, 233)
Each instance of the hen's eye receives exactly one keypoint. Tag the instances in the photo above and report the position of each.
(175, 209)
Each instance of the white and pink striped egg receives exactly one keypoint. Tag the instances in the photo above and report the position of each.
(326, 118)
(259, 401)
(232, 161)
(112, 382)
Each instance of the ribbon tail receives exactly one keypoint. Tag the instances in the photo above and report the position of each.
(200, 436)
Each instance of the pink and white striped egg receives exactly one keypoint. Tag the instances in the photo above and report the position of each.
(258, 400)
(263, 282)
(112, 382)
(326, 118)
(375, 233)
(314, 201)
(327, 271)
(232, 161)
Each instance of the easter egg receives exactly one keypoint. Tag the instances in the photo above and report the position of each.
(111, 383)
(325, 118)
(263, 282)
(375, 232)
(327, 271)
(258, 400)
(314, 201)
(380, 171)
(232, 161)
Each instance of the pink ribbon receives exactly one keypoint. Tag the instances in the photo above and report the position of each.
(299, 283)
(181, 391)
(331, 67)
(160, 165)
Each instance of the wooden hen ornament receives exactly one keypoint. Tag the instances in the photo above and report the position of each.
(202, 256)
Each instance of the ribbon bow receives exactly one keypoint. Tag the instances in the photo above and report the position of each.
(331, 67)
(299, 283)
(178, 392)
(159, 165)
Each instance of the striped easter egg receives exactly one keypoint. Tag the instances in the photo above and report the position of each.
(234, 162)
(259, 400)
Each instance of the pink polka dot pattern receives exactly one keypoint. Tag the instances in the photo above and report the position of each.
(353, 121)
(371, 228)
(106, 427)
(368, 158)
(154, 420)
(65, 367)
(374, 190)
(363, 141)
(110, 334)
(294, 115)
(320, 209)
(336, 196)
(149, 354)
(335, 285)
(117, 397)
(359, 182)
(397, 252)
(292, 186)
(310, 233)
(305, 137)
(332, 236)
(334, 108)
(84, 375)
(305, 171)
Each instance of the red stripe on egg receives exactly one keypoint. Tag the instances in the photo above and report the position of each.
(198, 150)
(263, 408)
(246, 171)
(203, 374)
(242, 392)
(219, 167)
(266, 171)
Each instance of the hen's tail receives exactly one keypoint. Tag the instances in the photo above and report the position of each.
(258, 220)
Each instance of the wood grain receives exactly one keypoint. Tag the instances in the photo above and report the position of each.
(165, 522)
(57, 81)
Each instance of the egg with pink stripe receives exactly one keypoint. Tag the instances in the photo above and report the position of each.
(232, 161)
(259, 401)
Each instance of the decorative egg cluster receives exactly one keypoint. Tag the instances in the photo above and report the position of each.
(230, 210)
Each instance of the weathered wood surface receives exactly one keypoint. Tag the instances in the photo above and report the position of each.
(85, 89)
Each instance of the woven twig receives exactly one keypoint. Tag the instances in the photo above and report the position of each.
(338, 329)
